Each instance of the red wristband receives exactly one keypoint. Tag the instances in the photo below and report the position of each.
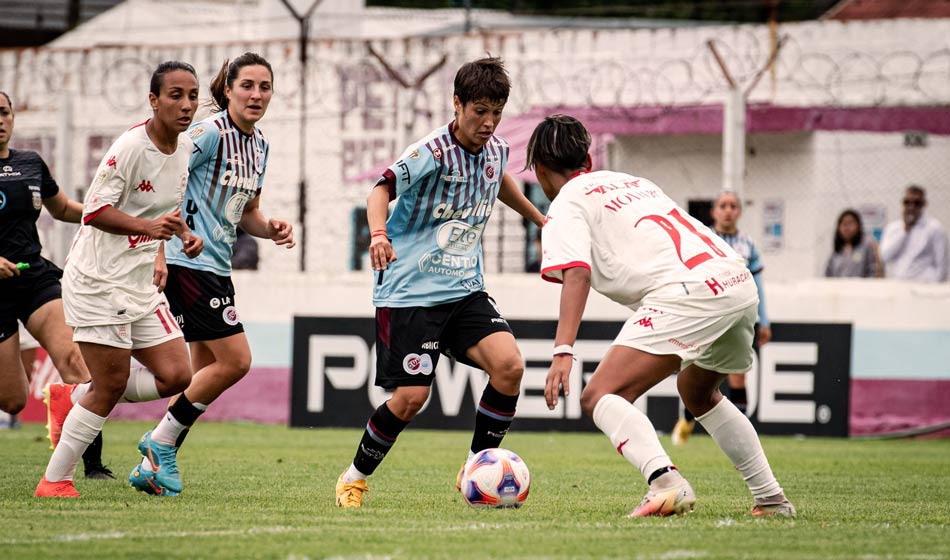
(378, 233)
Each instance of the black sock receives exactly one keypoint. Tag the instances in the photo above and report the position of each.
(738, 398)
(186, 414)
(687, 415)
(378, 438)
(92, 457)
(492, 419)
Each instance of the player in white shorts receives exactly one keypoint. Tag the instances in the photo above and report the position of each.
(694, 305)
(114, 273)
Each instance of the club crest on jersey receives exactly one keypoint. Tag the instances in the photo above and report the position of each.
(258, 160)
(437, 153)
(489, 172)
(37, 198)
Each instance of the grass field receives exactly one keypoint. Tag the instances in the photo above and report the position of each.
(256, 491)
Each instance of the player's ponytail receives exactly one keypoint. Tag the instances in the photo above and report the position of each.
(229, 72)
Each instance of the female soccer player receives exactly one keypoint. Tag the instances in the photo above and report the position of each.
(224, 189)
(432, 299)
(694, 305)
(109, 298)
(29, 284)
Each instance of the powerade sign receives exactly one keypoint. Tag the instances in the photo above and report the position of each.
(799, 383)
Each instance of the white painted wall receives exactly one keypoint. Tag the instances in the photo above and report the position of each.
(816, 175)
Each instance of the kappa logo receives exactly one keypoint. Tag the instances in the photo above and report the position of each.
(145, 186)
(646, 322)
(111, 162)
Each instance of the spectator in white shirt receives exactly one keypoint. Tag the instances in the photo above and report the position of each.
(915, 248)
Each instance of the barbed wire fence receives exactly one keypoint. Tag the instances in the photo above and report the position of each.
(361, 116)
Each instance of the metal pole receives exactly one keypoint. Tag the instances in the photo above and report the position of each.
(304, 21)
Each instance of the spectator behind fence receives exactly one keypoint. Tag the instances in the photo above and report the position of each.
(245, 251)
(855, 254)
(915, 248)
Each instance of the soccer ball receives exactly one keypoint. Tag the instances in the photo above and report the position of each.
(495, 478)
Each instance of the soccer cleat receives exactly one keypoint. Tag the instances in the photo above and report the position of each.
(144, 481)
(164, 461)
(98, 472)
(682, 430)
(458, 479)
(58, 400)
(350, 494)
(781, 509)
(662, 502)
(61, 489)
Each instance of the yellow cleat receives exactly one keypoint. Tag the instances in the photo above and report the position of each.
(350, 494)
(662, 502)
(682, 430)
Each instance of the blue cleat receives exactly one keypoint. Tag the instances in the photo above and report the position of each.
(144, 481)
(164, 462)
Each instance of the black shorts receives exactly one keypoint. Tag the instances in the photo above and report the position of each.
(21, 295)
(202, 303)
(409, 340)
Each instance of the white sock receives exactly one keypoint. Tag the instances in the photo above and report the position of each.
(79, 429)
(79, 391)
(734, 434)
(631, 433)
(353, 474)
(169, 428)
(141, 387)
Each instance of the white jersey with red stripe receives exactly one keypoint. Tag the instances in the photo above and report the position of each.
(641, 248)
(108, 278)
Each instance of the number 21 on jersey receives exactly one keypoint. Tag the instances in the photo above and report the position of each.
(674, 233)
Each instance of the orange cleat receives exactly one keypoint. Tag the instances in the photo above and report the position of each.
(58, 401)
(61, 489)
(662, 502)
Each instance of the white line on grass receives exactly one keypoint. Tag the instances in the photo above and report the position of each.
(118, 535)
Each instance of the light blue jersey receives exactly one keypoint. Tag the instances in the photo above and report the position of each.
(444, 197)
(225, 173)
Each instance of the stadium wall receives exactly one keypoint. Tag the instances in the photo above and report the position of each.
(899, 345)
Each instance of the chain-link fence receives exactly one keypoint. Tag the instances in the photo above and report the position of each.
(650, 85)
